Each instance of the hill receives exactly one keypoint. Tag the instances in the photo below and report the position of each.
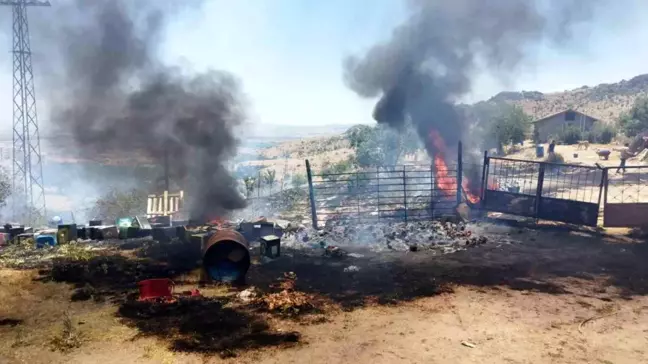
(605, 101)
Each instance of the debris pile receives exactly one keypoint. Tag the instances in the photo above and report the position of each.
(287, 300)
(443, 236)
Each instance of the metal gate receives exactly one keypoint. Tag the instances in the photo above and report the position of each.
(548, 191)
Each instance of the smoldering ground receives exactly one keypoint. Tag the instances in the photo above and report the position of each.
(113, 94)
(429, 62)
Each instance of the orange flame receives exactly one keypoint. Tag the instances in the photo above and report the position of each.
(446, 182)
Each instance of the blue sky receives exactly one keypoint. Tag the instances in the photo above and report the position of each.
(288, 54)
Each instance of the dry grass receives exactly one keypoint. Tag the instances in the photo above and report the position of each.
(68, 338)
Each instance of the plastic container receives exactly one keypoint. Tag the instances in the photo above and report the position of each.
(155, 288)
(539, 151)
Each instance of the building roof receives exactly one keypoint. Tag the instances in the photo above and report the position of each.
(562, 112)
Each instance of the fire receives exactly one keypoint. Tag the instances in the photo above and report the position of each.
(216, 220)
(446, 182)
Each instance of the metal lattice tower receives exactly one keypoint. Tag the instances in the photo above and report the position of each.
(27, 181)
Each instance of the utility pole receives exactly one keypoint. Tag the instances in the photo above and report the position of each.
(27, 171)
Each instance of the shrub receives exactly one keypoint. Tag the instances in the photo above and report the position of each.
(570, 135)
(601, 133)
(636, 120)
(298, 180)
(555, 158)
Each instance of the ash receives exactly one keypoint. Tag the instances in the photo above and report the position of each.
(442, 237)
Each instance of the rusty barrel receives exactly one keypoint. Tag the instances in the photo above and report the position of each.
(226, 256)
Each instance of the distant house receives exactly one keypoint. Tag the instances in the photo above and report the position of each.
(552, 125)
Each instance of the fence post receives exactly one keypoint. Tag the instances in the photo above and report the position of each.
(605, 192)
(541, 174)
(484, 183)
(459, 174)
(311, 194)
(405, 192)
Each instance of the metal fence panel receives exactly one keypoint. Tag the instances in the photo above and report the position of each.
(510, 186)
(571, 194)
(558, 192)
(626, 197)
(403, 192)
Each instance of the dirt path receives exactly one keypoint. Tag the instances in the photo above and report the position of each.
(505, 327)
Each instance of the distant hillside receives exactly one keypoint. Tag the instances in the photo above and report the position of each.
(605, 101)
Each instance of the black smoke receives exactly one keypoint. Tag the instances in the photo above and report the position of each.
(428, 64)
(115, 95)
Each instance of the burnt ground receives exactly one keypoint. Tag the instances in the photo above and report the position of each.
(539, 263)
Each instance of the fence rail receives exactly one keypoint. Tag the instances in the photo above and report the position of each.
(165, 204)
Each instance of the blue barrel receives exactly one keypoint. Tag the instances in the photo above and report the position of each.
(45, 240)
(226, 257)
(539, 151)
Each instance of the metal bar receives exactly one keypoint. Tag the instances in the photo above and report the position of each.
(547, 163)
(483, 179)
(405, 193)
(311, 194)
(539, 190)
(357, 194)
(459, 173)
(602, 186)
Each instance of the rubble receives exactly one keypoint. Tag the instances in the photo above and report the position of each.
(287, 300)
(441, 236)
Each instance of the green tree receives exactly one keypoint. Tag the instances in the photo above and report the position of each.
(601, 133)
(269, 178)
(382, 147)
(359, 134)
(636, 120)
(570, 135)
(250, 183)
(116, 203)
(509, 126)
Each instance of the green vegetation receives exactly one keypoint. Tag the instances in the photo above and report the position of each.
(635, 121)
(250, 184)
(510, 125)
(570, 135)
(117, 203)
(381, 145)
(298, 180)
(270, 178)
(601, 133)
(556, 158)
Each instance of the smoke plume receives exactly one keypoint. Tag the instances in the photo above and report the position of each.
(117, 96)
(421, 72)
